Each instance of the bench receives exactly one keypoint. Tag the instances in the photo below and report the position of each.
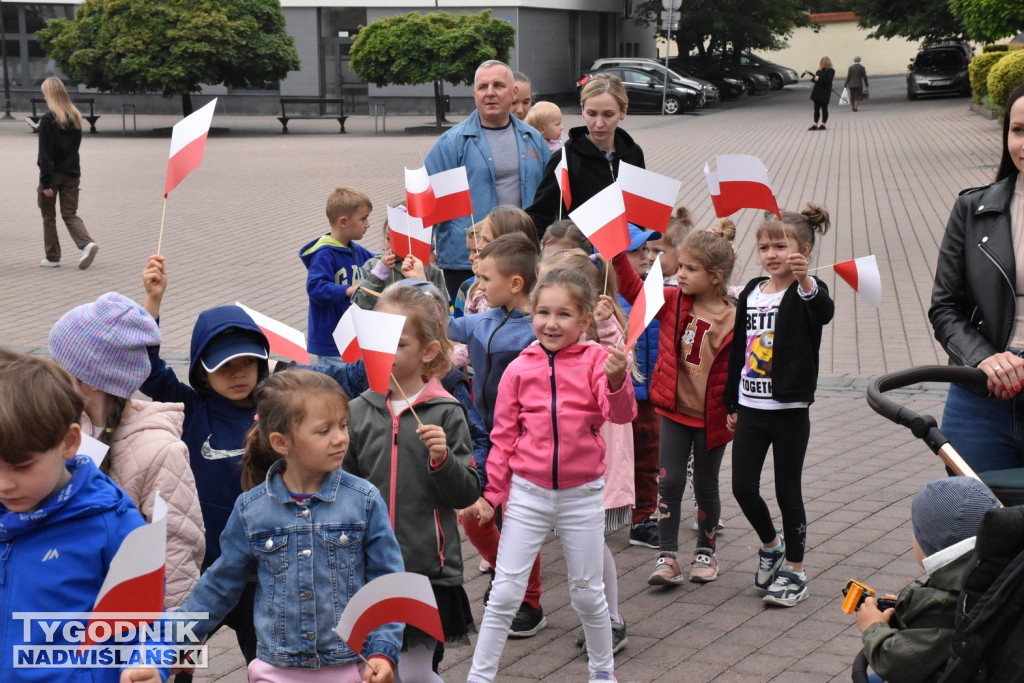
(91, 118)
(321, 104)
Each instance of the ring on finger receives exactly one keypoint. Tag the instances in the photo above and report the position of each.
(998, 368)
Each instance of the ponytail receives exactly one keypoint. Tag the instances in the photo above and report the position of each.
(114, 415)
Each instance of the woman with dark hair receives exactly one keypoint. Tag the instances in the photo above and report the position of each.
(976, 310)
(822, 92)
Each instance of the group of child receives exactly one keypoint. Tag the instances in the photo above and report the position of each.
(310, 485)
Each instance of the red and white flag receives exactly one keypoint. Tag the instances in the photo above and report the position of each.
(862, 275)
(562, 176)
(419, 196)
(649, 196)
(409, 232)
(284, 340)
(402, 597)
(135, 578)
(740, 182)
(647, 305)
(345, 337)
(451, 196)
(188, 140)
(602, 218)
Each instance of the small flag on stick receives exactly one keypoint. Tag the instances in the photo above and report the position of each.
(375, 335)
(403, 597)
(740, 182)
(648, 196)
(284, 340)
(188, 140)
(647, 305)
(602, 218)
(451, 196)
(862, 275)
(409, 232)
(419, 196)
(562, 176)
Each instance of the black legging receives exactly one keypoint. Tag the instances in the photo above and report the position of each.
(787, 432)
(674, 451)
(821, 109)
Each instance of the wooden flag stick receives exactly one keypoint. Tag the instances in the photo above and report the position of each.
(367, 663)
(408, 230)
(406, 398)
(160, 240)
(607, 267)
(476, 238)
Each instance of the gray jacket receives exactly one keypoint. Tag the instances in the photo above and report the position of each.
(856, 76)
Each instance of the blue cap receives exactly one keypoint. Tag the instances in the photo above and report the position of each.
(230, 344)
(638, 236)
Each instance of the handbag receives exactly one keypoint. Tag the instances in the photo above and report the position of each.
(844, 99)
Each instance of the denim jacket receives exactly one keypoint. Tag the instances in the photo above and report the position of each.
(310, 558)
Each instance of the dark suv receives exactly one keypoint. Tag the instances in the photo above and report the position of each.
(938, 71)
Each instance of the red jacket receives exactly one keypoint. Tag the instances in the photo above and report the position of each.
(665, 379)
(550, 410)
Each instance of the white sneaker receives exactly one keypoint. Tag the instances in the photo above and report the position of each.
(88, 254)
(47, 263)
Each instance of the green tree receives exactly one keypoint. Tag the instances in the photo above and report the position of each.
(989, 20)
(172, 46)
(408, 49)
(912, 19)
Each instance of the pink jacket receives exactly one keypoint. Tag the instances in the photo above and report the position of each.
(619, 474)
(547, 427)
(147, 455)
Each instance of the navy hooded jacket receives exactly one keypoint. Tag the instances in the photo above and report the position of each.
(215, 427)
(333, 268)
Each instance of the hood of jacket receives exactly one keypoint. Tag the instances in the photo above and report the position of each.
(323, 242)
(209, 324)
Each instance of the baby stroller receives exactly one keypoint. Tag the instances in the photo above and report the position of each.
(988, 642)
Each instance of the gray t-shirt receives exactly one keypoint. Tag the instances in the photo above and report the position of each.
(505, 157)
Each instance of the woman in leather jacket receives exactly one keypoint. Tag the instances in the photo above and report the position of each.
(976, 309)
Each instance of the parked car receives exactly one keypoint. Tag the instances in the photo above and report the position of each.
(644, 89)
(938, 71)
(729, 86)
(778, 76)
(710, 90)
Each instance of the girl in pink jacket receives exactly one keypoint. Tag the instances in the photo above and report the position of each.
(547, 460)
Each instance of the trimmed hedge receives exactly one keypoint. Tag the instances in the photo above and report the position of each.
(979, 69)
(1006, 75)
(994, 48)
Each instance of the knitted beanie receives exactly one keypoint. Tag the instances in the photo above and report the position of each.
(949, 510)
(104, 344)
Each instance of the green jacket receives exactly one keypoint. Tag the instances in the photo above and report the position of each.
(422, 502)
(368, 282)
(901, 653)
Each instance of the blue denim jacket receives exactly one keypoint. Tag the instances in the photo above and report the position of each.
(310, 560)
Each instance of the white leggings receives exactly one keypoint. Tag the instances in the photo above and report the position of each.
(531, 512)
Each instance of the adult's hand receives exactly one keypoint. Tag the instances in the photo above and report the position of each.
(48, 192)
(1005, 372)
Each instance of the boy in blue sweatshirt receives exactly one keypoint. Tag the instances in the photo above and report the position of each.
(333, 261)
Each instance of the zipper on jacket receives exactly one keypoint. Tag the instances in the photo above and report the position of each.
(393, 474)
(439, 535)
(1009, 330)
(554, 422)
(487, 372)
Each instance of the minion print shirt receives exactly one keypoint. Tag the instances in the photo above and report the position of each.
(756, 377)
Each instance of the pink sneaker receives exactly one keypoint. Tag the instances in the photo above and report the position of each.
(666, 572)
(705, 566)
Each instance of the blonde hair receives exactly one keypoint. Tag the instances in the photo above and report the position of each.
(566, 229)
(713, 248)
(542, 113)
(574, 282)
(345, 201)
(593, 268)
(428, 313)
(602, 83)
(825, 63)
(59, 102)
(506, 220)
(678, 226)
(514, 254)
(802, 227)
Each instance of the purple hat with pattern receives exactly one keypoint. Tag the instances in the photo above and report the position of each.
(104, 344)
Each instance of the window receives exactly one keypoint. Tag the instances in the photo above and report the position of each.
(27, 64)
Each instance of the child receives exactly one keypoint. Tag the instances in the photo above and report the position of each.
(52, 505)
(385, 269)
(227, 357)
(424, 472)
(678, 226)
(103, 346)
(695, 335)
(503, 220)
(313, 534)
(546, 117)
(333, 262)
(773, 371)
(945, 517)
(469, 295)
(563, 235)
(508, 271)
(547, 461)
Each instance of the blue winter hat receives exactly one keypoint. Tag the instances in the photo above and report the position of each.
(638, 236)
(948, 511)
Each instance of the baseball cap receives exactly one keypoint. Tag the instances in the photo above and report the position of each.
(230, 344)
(637, 237)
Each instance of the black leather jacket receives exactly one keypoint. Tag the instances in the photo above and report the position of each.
(974, 299)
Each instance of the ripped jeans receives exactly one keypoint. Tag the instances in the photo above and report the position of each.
(531, 512)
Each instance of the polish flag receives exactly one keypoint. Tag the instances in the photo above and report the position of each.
(451, 192)
(135, 580)
(562, 176)
(862, 275)
(408, 232)
(377, 335)
(419, 196)
(741, 182)
(188, 140)
(649, 196)
(284, 340)
(345, 336)
(402, 597)
(647, 305)
(602, 218)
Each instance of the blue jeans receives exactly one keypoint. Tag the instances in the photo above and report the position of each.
(332, 361)
(987, 432)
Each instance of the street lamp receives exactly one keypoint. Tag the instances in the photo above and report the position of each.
(3, 57)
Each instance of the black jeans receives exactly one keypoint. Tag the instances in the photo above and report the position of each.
(787, 432)
(453, 279)
(821, 109)
(674, 452)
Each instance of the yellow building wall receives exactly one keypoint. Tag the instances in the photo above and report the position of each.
(841, 41)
